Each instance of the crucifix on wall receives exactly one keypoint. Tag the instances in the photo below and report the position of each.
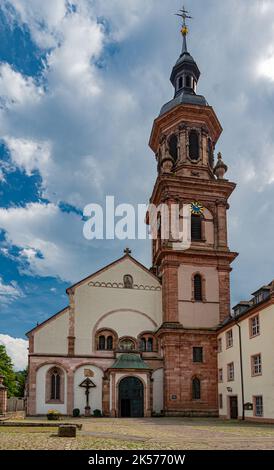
(87, 384)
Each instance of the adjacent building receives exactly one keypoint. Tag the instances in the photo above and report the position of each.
(246, 359)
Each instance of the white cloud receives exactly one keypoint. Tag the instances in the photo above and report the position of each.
(9, 292)
(266, 67)
(17, 349)
(45, 236)
(30, 155)
(42, 17)
(16, 88)
(70, 65)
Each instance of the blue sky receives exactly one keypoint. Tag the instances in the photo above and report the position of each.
(80, 85)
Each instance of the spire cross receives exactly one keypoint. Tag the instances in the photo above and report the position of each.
(184, 14)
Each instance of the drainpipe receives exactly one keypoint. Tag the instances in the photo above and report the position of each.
(241, 366)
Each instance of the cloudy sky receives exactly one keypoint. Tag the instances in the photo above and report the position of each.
(80, 84)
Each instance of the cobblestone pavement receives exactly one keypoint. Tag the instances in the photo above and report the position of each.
(147, 434)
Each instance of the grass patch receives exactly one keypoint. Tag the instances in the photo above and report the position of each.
(26, 430)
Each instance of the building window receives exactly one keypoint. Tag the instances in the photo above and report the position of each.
(198, 288)
(102, 343)
(220, 401)
(173, 147)
(146, 344)
(150, 344)
(194, 150)
(106, 340)
(197, 354)
(230, 372)
(229, 339)
(55, 385)
(256, 365)
(143, 344)
(180, 83)
(109, 343)
(220, 346)
(254, 326)
(210, 153)
(126, 345)
(196, 228)
(258, 406)
(188, 81)
(196, 389)
(220, 375)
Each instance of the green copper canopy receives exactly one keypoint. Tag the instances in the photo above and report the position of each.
(129, 361)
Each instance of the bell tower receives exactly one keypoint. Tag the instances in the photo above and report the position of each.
(196, 281)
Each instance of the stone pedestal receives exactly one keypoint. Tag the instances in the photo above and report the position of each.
(66, 430)
(87, 411)
(3, 396)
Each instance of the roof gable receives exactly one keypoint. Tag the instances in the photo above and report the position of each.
(113, 273)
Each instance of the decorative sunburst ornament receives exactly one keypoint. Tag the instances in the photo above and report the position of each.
(197, 208)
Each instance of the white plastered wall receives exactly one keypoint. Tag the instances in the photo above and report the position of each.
(51, 338)
(133, 310)
(95, 397)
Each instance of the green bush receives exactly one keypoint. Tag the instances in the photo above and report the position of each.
(76, 412)
(97, 413)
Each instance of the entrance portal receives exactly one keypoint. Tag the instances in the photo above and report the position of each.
(131, 398)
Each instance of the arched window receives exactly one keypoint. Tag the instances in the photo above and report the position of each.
(198, 288)
(143, 344)
(194, 150)
(173, 147)
(210, 153)
(180, 83)
(188, 81)
(150, 344)
(196, 389)
(109, 343)
(196, 227)
(55, 384)
(127, 344)
(102, 343)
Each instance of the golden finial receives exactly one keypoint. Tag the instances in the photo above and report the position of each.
(184, 14)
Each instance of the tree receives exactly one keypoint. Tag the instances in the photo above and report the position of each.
(6, 369)
(20, 378)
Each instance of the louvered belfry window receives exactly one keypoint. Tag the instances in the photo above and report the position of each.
(194, 151)
(173, 147)
(196, 228)
(198, 294)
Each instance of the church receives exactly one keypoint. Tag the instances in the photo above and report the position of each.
(133, 341)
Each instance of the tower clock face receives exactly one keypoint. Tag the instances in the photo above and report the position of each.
(197, 208)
